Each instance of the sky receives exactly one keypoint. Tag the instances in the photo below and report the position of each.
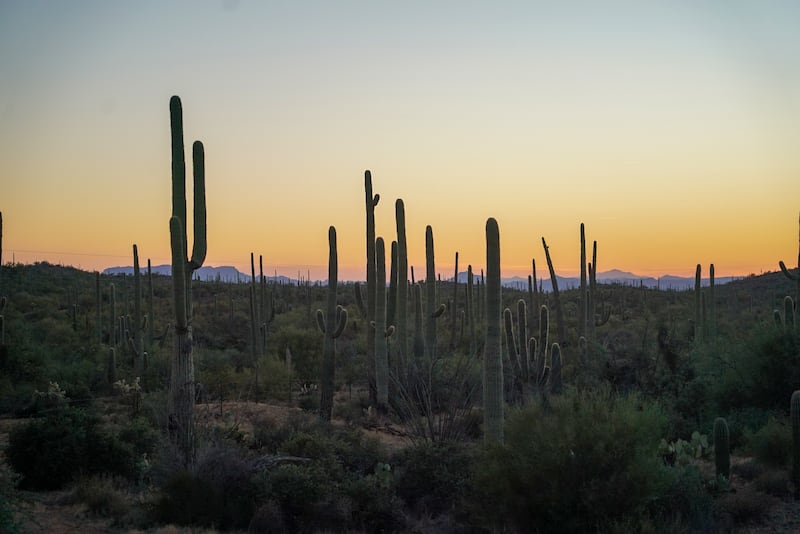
(670, 128)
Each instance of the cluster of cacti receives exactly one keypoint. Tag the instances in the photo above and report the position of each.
(528, 355)
(182, 387)
(493, 400)
(705, 307)
(722, 455)
(332, 323)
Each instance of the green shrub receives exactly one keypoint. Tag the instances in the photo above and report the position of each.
(373, 506)
(772, 443)
(102, 496)
(300, 492)
(584, 461)
(54, 450)
(433, 476)
(760, 373)
(187, 500)
(746, 505)
(221, 493)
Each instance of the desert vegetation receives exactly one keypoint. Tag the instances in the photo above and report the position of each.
(422, 405)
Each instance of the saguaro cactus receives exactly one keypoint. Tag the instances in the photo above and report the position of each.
(136, 339)
(182, 389)
(492, 353)
(722, 454)
(332, 324)
(794, 411)
(382, 329)
(698, 305)
(556, 298)
(583, 292)
(402, 280)
(371, 201)
(432, 311)
(795, 277)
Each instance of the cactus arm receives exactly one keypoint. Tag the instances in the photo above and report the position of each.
(199, 245)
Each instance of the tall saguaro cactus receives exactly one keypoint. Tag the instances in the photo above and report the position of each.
(382, 329)
(556, 298)
(794, 411)
(698, 305)
(332, 324)
(138, 341)
(371, 201)
(432, 311)
(492, 353)
(402, 281)
(182, 388)
(795, 277)
(582, 300)
(722, 455)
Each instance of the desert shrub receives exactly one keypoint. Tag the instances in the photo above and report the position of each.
(221, 492)
(746, 505)
(102, 495)
(373, 505)
(186, 499)
(335, 450)
(772, 443)
(747, 470)
(140, 435)
(774, 482)
(9, 500)
(433, 476)
(760, 373)
(585, 460)
(54, 450)
(300, 492)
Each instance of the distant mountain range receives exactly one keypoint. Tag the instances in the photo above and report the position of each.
(614, 276)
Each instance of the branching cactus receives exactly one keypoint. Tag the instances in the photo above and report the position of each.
(182, 388)
(795, 277)
(368, 308)
(492, 353)
(332, 324)
(722, 454)
(794, 411)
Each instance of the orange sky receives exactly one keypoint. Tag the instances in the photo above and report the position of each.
(670, 129)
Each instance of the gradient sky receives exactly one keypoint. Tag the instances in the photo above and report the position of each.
(671, 129)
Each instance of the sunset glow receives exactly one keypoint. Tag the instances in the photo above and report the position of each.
(671, 129)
